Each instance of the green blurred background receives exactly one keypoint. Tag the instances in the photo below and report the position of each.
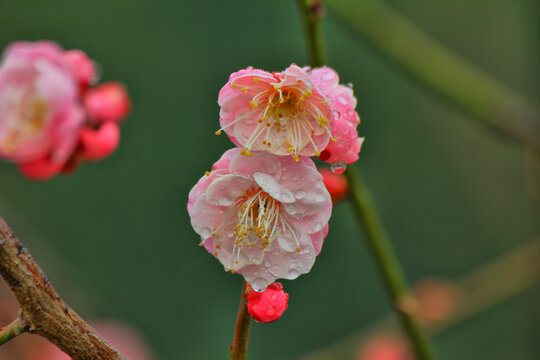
(115, 236)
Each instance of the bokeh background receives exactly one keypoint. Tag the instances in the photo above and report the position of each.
(115, 236)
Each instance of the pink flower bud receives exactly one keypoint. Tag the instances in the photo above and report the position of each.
(269, 305)
(80, 66)
(337, 184)
(99, 143)
(107, 102)
(41, 169)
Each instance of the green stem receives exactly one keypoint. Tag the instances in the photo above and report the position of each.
(441, 71)
(388, 264)
(12, 330)
(239, 346)
(311, 12)
(379, 243)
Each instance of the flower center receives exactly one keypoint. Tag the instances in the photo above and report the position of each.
(287, 116)
(258, 221)
(26, 116)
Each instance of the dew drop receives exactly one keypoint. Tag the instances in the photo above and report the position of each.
(293, 274)
(342, 100)
(300, 194)
(319, 198)
(271, 166)
(286, 197)
(258, 284)
(338, 167)
(291, 209)
(327, 76)
(205, 232)
(225, 201)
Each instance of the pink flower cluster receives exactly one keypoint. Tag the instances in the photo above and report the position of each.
(50, 117)
(263, 210)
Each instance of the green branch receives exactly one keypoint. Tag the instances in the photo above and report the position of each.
(388, 264)
(239, 346)
(440, 70)
(12, 330)
(312, 11)
(383, 254)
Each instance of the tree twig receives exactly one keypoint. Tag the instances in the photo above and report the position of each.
(42, 311)
(311, 12)
(12, 330)
(239, 346)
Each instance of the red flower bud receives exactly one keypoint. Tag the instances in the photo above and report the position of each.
(107, 102)
(268, 305)
(100, 143)
(41, 169)
(337, 184)
(80, 66)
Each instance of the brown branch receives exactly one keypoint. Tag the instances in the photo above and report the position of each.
(43, 312)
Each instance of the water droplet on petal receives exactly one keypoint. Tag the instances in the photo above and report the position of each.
(300, 194)
(328, 76)
(338, 167)
(271, 166)
(292, 274)
(258, 284)
(318, 226)
(319, 198)
(291, 209)
(205, 232)
(286, 197)
(225, 201)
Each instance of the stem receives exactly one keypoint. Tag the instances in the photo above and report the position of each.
(383, 254)
(388, 264)
(312, 11)
(239, 346)
(440, 70)
(43, 312)
(12, 330)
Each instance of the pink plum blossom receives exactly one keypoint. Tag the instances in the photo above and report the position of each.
(40, 115)
(346, 119)
(263, 216)
(50, 119)
(282, 112)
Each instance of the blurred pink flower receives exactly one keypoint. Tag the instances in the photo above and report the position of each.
(268, 305)
(43, 125)
(280, 112)
(263, 216)
(384, 346)
(40, 115)
(347, 144)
